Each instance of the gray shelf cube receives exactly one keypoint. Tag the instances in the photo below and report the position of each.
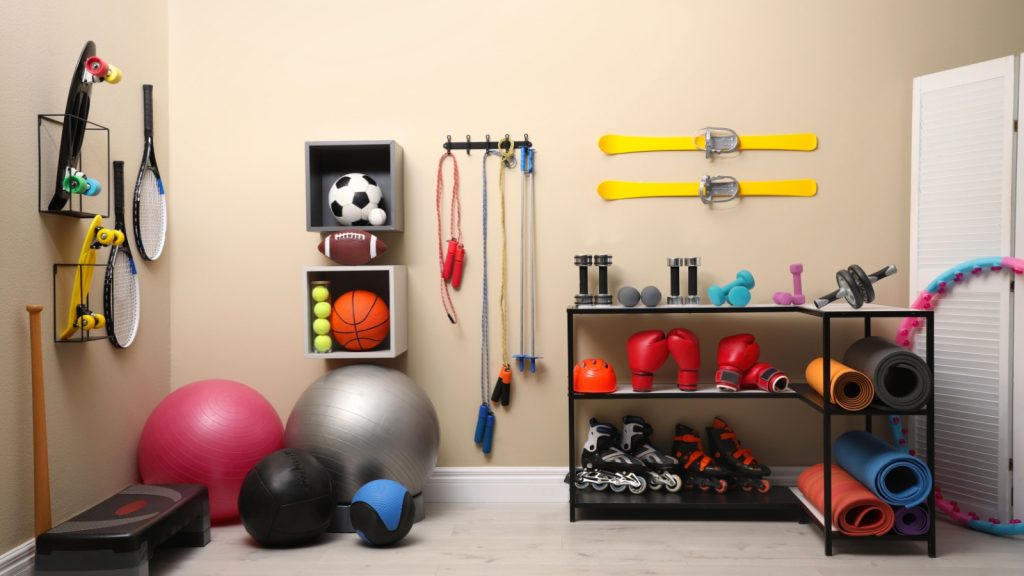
(328, 161)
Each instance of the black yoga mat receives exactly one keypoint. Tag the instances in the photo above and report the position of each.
(901, 378)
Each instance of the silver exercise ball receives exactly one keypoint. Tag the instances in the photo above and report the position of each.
(363, 423)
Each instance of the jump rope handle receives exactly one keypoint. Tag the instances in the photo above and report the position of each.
(460, 257)
(449, 260)
(481, 421)
(489, 432)
(503, 387)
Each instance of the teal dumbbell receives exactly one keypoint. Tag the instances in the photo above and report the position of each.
(736, 293)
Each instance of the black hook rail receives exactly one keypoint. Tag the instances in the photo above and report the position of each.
(487, 143)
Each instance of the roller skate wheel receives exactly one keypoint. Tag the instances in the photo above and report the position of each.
(704, 488)
(746, 487)
(617, 488)
(599, 486)
(656, 486)
(677, 486)
(92, 187)
(580, 485)
(764, 486)
(722, 487)
(639, 489)
(96, 66)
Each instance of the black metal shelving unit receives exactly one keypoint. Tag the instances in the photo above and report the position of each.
(779, 502)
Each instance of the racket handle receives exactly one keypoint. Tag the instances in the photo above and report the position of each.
(489, 433)
(481, 419)
(460, 257)
(118, 186)
(147, 110)
(449, 260)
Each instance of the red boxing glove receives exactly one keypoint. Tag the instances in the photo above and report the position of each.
(766, 377)
(736, 354)
(647, 352)
(685, 348)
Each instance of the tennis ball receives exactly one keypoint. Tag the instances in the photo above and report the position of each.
(321, 326)
(320, 294)
(377, 217)
(322, 343)
(322, 309)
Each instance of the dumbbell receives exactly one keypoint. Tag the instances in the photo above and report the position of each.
(674, 297)
(736, 293)
(584, 262)
(855, 286)
(797, 297)
(603, 297)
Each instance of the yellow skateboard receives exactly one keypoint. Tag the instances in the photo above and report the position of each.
(79, 315)
(708, 189)
(722, 140)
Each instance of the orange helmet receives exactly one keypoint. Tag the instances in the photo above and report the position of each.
(593, 376)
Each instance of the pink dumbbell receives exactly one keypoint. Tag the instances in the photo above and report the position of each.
(797, 297)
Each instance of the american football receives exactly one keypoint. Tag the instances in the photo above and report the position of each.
(352, 247)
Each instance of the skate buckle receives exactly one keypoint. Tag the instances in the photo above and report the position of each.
(715, 189)
(717, 141)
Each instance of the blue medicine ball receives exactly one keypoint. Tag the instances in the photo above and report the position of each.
(382, 512)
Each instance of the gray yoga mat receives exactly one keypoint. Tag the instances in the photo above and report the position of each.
(901, 378)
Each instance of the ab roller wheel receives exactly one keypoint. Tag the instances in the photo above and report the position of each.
(855, 286)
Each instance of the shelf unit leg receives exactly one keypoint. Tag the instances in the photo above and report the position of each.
(570, 357)
(826, 443)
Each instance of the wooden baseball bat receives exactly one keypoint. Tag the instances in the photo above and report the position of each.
(40, 455)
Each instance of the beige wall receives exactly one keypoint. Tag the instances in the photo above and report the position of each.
(252, 81)
(97, 397)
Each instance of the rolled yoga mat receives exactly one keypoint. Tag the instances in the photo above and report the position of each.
(901, 378)
(894, 476)
(851, 389)
(912, 521)
(855, 510)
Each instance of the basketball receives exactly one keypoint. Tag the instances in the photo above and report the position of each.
(360, 320)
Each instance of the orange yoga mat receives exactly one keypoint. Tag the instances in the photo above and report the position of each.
(855, 510)
(850, 389)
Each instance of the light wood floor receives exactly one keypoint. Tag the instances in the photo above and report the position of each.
(532, 539)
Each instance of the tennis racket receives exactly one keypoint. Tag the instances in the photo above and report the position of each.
(149, 210)
(121, 285)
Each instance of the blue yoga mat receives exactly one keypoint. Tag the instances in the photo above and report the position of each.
(896, 477)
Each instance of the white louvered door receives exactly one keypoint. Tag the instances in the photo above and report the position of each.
(962, 162)
(1017, 415)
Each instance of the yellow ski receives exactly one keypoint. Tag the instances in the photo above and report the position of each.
(717, 189)
(723, 140)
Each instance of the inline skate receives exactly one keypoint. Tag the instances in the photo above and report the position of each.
(661, 468)
(743, 467)
(605, 465)
(697, 468)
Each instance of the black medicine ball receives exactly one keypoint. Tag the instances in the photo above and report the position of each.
(286, 499)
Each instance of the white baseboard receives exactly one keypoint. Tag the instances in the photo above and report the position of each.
(19, 560)
(486, 484)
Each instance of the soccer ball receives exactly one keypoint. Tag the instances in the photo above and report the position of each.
(354, 198)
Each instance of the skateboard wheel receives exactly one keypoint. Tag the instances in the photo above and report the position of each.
(96, 66)
(74, 184)
(92, 187)
(119, 237)
(113, 75)
(106, 236)
(87, 322)
(100, 320)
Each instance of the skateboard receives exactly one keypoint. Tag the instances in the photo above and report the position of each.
(89, 70)
(707, 189)
(79, 314)
(709, 140)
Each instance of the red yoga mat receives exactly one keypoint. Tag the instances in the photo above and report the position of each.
(855, 510)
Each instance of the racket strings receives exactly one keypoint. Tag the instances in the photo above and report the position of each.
(152, 214)
(124, 302)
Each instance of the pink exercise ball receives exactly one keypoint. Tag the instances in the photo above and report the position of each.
(209, 432)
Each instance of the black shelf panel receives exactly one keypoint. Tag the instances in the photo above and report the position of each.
(813, 399)
(833, 311)
(777, 499)
(669, 390)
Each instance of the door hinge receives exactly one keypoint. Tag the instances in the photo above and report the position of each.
(1011, 464)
